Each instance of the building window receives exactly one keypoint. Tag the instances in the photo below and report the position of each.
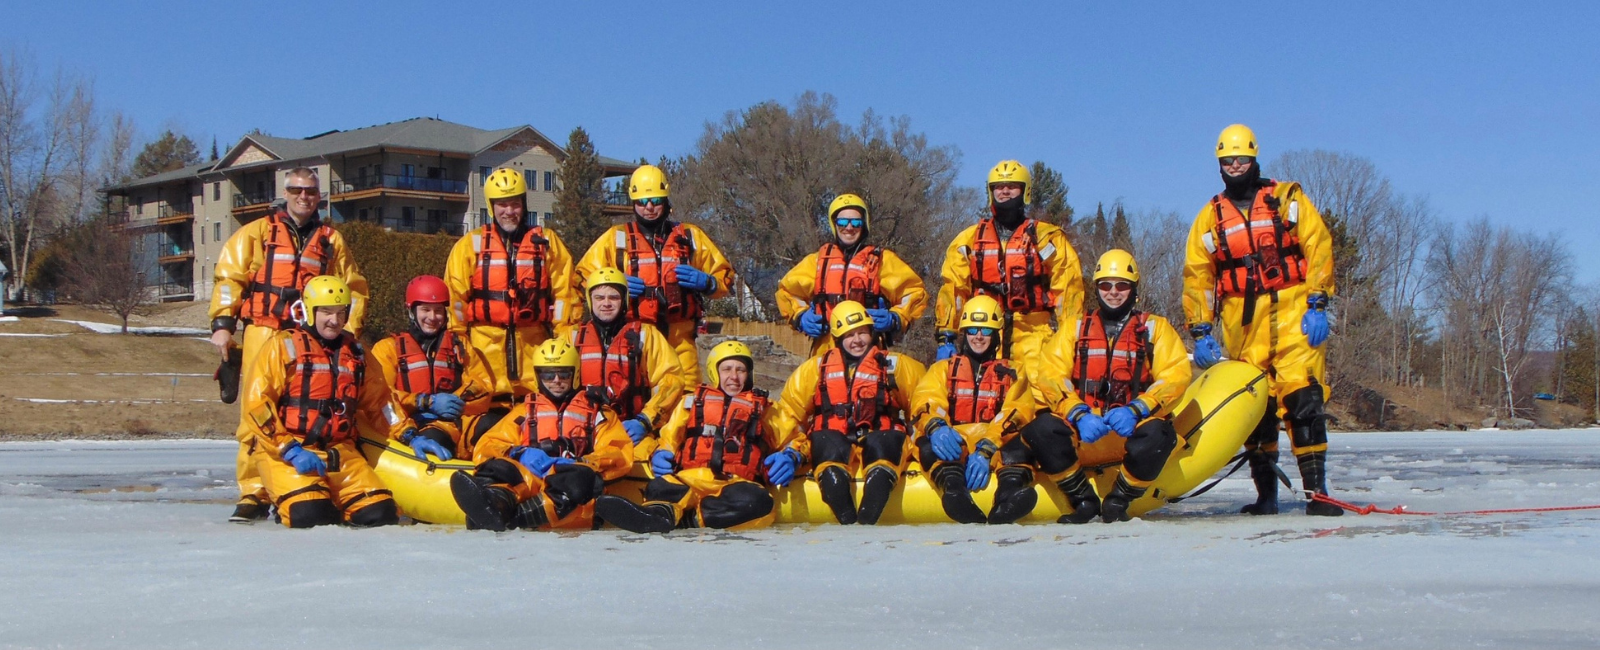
(202, 234)
(361, 215)
(531, 178)
(408, 171)
(408, 217)
(549, 181)
(547, 217)
(216, 231)
(216, 191)
(483, 217)
(484, 172)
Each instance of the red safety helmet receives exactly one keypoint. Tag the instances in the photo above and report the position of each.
(426, 289)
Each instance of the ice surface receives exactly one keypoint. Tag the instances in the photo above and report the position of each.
(124, 544)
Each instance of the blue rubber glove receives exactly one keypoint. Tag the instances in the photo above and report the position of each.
(780, 467)
(635, 287)
(636, 427)
(1122, 420)
(537, 460)
(1091, 427)
(424, 446)
(661, 462)
(446, 406)
(812, 324)
(946, 443)
(695, 280)
(1207, 352)
(947, 346)
(304, 462)
(977, 471)
(884, 320)
(1315, 323)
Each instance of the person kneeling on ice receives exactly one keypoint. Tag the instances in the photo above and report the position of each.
(423, 367)
(709, 458)
(1124, 369)
(543, 464)
(853, 396)
(966, 406)
(306, 396)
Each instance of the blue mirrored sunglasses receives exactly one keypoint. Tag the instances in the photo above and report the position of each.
(850, 223)
(654, 200)
(981, 331)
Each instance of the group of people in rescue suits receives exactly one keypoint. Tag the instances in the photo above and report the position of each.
(555, 376)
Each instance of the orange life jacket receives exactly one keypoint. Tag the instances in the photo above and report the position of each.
(497, 295)
(1014, 274)
(618, 368)
(287, 264)
(724, 432)
(972, 399)
(839, 279)
(1255, 254)
(1109, 374)
(663, 300)
(322, 389)
(421, 372)
(564, 430)
(865, 402)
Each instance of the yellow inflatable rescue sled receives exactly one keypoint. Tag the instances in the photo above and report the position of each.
(1214, 417)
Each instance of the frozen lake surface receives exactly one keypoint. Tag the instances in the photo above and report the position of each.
(125, 544)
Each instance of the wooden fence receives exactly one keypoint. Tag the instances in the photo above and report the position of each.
(795, 342)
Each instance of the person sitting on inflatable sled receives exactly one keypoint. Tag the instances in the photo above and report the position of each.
(543, 464)
(709, 458)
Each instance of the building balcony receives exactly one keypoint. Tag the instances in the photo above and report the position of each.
(617, 203)
(175, 213)
(368, 186)
(171, 291)
(424, 226)
(243, 200)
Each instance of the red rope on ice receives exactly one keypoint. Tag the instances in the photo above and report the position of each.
(1402, 510)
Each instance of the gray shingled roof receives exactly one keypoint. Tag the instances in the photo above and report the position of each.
(417, 133)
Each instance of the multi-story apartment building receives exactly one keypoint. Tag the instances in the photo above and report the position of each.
(420, 175)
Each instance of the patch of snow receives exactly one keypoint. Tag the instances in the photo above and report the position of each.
(108, 328)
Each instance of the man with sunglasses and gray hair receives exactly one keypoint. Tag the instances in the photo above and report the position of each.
(260, 273)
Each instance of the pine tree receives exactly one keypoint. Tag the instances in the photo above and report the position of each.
(214, 155)
(1050, 196)
(169, 152)
(1580, 362)
(1121, 232)
(580, 202)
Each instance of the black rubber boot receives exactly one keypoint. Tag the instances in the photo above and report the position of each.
(486, 507)
(834, 483)
(1115, 507)
(958, 505)
(1014, 496)
(1314, 480)
(1080, 494)
(530, 514)
(250, 509)
(1264, 471)
(627, 515)
(875, 494)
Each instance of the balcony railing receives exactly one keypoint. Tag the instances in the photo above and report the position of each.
(175, 290)
(176, 209)
(618, 197)
(397, 182)
(257, 198)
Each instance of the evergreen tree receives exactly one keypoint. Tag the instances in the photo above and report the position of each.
(1580, 362)
(169, 152)
(214, 155)
(580, 202)
(1121, 232)
(1050, 196)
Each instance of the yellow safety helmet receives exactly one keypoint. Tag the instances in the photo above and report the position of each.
(647, 182)
(1236, 140)
(556, 353)
(504, 183)
(1011, 171)
(1118, 264)
(607, 276)
(848, 201)
(730, 350)
(325, 291)
(848, 315)
(982, 311)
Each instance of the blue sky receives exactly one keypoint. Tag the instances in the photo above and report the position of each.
(1486, 109)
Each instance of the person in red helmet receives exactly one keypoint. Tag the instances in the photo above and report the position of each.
(423, 367)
